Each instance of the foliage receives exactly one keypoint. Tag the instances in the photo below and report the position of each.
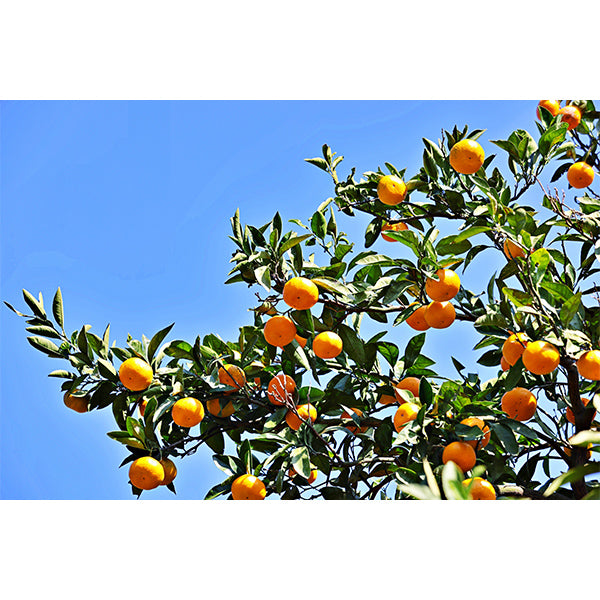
(549, 294)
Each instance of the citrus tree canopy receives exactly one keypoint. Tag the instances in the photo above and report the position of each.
(305, 404)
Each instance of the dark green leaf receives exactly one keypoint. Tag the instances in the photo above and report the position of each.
(156, 340)
(46, 346)
(57, 308)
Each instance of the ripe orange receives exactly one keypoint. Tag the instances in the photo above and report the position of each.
(513, 347)
(146, 473)
(187, 412)
(351, 426)
(279, 331)
(391, 190)
(407, 412)
(519, 404)
(417, 319)
(233, 376)
(135, 374)
(313, 474)
(588, 365)
(445, 288)
(569, 413)
(305, 412)
(512, 250)
(504, 364)
(466, 157)
(481, 442)
(552, 105)
(440, 315)
(461, 454)
(386, 399)
(300, 293)
(327, 344)
(248, 487)
(392, 227)
(213, 406)
(170, 471)
(281, 389)
(408, 383)
(79, 404)
(540, 358)
(580, 175)
(300, 340)
(481, 489)
(570, 115)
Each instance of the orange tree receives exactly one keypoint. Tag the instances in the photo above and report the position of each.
(303, 404)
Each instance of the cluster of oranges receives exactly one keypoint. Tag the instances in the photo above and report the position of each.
(440, 312)
(570, 114)
(301, 293)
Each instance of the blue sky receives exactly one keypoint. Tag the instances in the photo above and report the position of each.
(126, 207)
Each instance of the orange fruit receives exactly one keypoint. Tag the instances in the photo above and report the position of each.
(391, 190)
(233, 376)
(305, 412)
(512, 250)
(552, 105)
(540, 358)
(248, 487)
(281, 389)
(519, 404)
(79, 404)
(392, 227)
(300, 340)
(351, 426)
(570, 416)
(386, 399)
(300, 293)
(327, 344)
(313, 474)
(570, 115)
(504, 364)
(408, 383)
(460, 453)
(279, 331)
(213, 406)
(440, 315)
(466, 157)
(135, 374)
(580, 175)
(187, 412)
(407, 412)
(481, 489)
(513, 347)
(481, 442)
(417, 319)
(445, 288)
(170, 471)
(588, 365)
(146, 473)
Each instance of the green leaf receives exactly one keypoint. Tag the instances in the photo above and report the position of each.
(107, 370)
(14, 309)
(384, 435)
(353, 345)
(470, 231)
(420, 492)
(62, 374)
(35, 306)
(318, 162)
(293, 241)
(331, 285)
(570, 308)
(506, 437)
(44, 330)
(583, 438)
(274, 419)
(57, 308)
(413, 349)
(574, 474)
(263, 276)
(452, 485)
(126, 439)
(318, 224)
(517, 297)
(46, 346)
(333, 493)
(157, 339)
(389, 351)
(300, 459)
